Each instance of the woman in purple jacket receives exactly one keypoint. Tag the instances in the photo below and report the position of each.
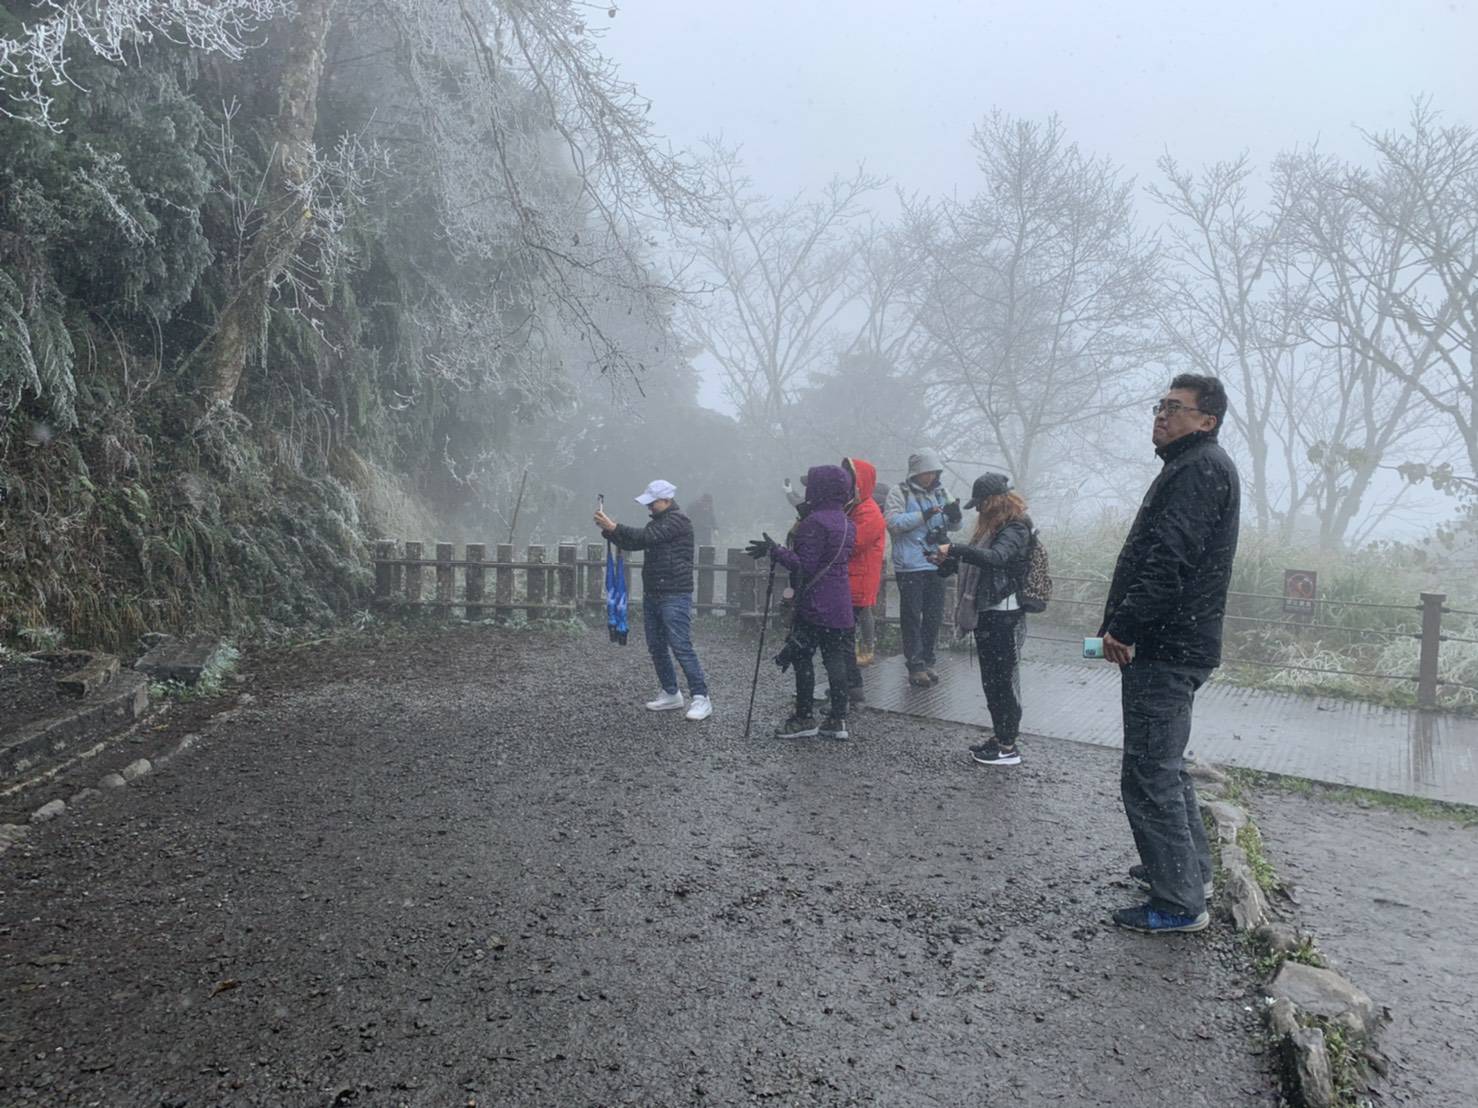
(821, 545)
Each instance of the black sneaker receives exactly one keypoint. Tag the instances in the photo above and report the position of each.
(1141, 877)
(932, 676)
(919, 679)
(797, 727)
(833, 728)
(994, 754)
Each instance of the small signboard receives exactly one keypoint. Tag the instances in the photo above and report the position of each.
(1300, 590)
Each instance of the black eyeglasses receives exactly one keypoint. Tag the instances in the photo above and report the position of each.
(1170, 407)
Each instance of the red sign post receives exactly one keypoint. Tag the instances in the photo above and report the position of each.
(1300, 591)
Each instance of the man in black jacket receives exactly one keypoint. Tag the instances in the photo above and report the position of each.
(1162, 626)
(667, 595)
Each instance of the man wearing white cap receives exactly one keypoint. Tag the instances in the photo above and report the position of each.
(667, 594)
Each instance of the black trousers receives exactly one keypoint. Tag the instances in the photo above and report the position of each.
(998, 641)
(835, 644)
(1159, 795)
(920, 611)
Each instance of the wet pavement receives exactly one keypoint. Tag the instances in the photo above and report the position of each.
(1389, 896)
(1343, 742)
(469, 868)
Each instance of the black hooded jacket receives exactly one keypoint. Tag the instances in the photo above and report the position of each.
(667, 566)
(1169, 594)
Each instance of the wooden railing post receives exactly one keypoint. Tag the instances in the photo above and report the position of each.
(476, 554)
(503, 581)
(749, 586)
(446, 576)
(735, 560)
(1427, 668)
(384, 571)
(534, 582)
(705, 578)
(413, 572)
(569, 553)
(595, 576)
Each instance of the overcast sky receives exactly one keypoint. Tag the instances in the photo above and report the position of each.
(810, 87)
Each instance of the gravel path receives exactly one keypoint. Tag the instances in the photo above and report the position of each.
(1390, 896)
(28, 692)
(470, 868)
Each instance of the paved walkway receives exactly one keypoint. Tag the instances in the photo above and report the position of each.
(1343, 742)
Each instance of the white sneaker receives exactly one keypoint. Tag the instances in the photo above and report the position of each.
(666, 702)
(702, 708)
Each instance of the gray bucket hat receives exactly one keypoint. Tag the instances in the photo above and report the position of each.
(923, 461)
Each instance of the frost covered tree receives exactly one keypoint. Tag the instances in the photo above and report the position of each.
(39, 41)
(539, 162)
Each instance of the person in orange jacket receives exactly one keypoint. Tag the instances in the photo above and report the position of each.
(864, 568)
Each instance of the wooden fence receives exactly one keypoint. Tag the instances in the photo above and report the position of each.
(541, 586)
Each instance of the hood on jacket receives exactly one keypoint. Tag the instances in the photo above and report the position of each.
(864, 478)
(827, 486)
(923, 461)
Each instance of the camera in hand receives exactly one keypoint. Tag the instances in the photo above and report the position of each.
(936, 537)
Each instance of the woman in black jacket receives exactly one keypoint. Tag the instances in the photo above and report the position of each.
(992, 569)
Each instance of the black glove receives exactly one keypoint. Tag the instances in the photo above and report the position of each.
(952, 512)
(760, 548)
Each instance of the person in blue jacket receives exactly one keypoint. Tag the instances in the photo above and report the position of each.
(912, 510)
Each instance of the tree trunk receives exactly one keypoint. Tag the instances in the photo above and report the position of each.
(282, 220)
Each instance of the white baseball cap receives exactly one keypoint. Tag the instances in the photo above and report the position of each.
(658, 490)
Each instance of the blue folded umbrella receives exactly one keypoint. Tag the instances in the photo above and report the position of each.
(615, 594)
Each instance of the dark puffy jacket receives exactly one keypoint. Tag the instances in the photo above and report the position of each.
(1002, 563)
(1168, 598)
(821, 545)
(667, 567)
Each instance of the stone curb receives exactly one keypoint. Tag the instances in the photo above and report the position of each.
(1302, 999)
(126, 698)
(12, 834)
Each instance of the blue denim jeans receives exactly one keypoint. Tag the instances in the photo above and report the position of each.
(668, 622)
(1159, 795)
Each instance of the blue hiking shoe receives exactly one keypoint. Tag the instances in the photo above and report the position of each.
(1152, 921)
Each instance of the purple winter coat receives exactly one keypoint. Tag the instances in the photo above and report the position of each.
(823, 544)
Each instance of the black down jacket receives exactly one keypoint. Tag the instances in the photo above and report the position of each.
(667, 567)
(1169, 594)
(1002, 563)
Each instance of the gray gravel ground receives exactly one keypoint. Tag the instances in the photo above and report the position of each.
(1391, 899)
(470, 867)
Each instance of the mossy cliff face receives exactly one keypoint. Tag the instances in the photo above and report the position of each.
(144, 486)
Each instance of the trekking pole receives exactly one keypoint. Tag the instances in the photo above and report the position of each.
(764, 626)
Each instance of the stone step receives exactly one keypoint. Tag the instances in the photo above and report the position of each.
(97, 714)
(179, 660)
(95, 673)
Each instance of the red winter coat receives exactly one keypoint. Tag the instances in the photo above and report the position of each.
(865, 568)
